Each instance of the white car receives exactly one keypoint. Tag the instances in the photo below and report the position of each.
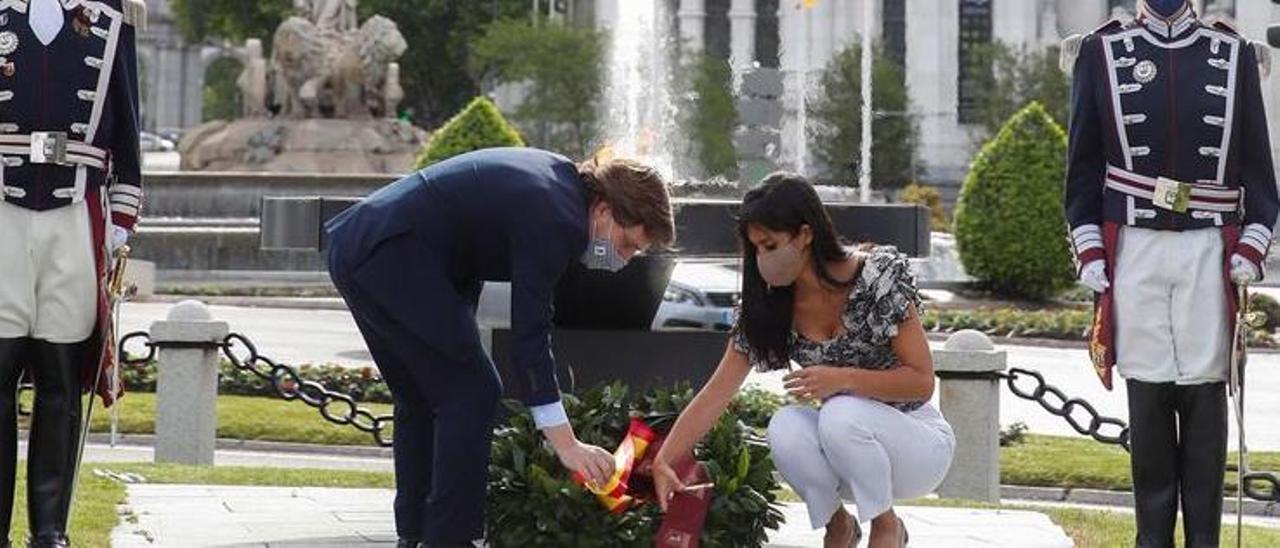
(702, 294)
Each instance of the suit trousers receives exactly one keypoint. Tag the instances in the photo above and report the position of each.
(444, 416)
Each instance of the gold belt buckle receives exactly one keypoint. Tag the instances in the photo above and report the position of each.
(49, 147)
(1172, 195)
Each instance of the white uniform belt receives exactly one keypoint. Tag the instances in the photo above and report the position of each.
(76, 152)
(1203, 197)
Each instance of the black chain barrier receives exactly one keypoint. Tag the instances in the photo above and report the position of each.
(1023, 383)
(1085, 419)
(336, 407)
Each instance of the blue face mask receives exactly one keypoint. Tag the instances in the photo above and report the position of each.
(601, 253)
(1166, 8)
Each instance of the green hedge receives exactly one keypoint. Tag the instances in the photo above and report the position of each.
(478, 126)
(363, 384)
(1063, 324)
(532, 501)
(1009, 223)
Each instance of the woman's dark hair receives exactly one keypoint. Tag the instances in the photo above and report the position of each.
(784, 202)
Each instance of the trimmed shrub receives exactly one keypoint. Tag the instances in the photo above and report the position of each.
(929, 197)
(533, 502)
(1268, 306)
(478, 126)
(1010, 227)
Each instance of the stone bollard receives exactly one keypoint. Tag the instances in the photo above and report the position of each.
(970, 397)
(187, 383)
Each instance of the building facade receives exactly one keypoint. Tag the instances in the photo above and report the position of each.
(170, 73)
(932, 39)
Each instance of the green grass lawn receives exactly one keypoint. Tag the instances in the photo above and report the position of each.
(247, 418)
(94, 514)
(1051, 461)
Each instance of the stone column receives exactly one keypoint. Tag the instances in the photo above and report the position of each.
(970, 399)
(187, 383)
(692, 16)
(742, 34)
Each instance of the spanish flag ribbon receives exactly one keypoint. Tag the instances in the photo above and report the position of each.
(686, 513)
(613, 495)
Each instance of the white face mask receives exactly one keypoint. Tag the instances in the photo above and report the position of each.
(601, 254)
(782, 266)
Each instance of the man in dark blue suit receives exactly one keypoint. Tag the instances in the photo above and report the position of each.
(411, 259)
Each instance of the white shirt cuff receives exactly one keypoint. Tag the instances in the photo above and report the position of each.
(549, 415)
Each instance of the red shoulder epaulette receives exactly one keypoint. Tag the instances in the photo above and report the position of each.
(1224, 26)
(1112, 25)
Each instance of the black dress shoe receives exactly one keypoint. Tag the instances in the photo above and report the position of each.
(406, 543)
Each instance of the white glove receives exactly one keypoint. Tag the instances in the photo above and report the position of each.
(1243, 271)
(1094, 276)
(119, 236)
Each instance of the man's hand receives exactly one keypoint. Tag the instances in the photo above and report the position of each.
(1243, 271)
(817, 382)
(1094, 276)
(595, 464)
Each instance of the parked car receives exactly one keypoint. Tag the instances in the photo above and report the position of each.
(702, 294)
(154, 143)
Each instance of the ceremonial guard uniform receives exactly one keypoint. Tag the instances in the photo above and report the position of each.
(1170, 196)
(70, 190)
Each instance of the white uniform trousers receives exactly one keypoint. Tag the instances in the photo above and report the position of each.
(48, 289)
(1170, 306)
(862, 450)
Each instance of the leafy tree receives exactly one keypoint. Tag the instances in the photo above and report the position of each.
(710, 116)
(439, 32)
(1017, 78)
(478, 126)
(1010, 227)
(233, 20)
(220, 94)
(562, 67)
(837, 115)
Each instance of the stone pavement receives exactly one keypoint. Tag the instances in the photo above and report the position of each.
(196, 515)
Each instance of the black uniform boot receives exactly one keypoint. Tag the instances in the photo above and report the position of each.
(1202, 418)
(55, 435)
(1153, 439)
(11, 353)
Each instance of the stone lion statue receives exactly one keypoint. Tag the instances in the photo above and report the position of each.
(319, 73)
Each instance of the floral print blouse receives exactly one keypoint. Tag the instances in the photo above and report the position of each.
(880, 300)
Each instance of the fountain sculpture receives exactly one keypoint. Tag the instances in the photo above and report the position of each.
(326, 101)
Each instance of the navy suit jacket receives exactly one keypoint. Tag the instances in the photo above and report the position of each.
(421, 248)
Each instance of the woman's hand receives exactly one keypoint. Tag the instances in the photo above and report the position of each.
(666, 483)
(817, 382)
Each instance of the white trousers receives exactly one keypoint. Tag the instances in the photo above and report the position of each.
(1170, 306)
(862, 450)
(48, 285)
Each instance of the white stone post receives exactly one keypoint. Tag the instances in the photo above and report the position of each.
(187, 383)
(742, 34)
(970, 395)
(692, 16)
